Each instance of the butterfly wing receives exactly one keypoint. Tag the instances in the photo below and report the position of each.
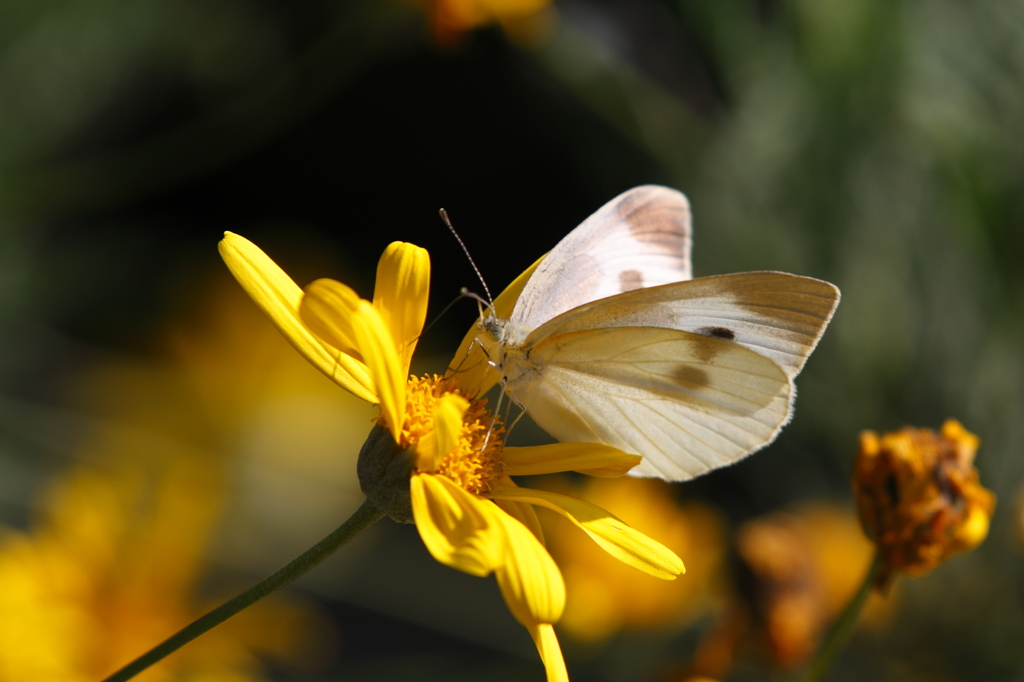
(774, 314)
(688, 403)
(692, 375)
(639, 239)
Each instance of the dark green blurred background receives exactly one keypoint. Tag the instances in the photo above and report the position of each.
(873, 143)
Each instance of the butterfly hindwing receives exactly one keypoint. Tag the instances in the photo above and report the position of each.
(688, 403)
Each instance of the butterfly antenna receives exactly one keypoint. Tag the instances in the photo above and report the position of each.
(444, 217)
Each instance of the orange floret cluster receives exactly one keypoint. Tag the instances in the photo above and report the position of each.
(919, 496)
(475, 464)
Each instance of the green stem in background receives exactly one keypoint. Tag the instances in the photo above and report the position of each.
(360, 520)
(841, 629)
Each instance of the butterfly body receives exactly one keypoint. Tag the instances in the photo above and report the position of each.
(612, 341)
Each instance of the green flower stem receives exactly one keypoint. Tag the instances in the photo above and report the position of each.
(366, 515)
(842, 628)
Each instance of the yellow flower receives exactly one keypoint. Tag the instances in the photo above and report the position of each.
(110, 569)
(605, 596)
(919, 497)
(436, 456)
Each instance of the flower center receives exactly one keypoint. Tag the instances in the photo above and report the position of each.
(475, 462)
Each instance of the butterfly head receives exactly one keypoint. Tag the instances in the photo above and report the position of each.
(491, 337)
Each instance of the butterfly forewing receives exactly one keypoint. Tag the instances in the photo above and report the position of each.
(777, 315)
(639, 239)
(688, 403)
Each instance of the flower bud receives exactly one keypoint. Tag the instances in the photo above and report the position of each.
(384, 470)
(919, 497)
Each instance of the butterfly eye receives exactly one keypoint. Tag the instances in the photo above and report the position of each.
(491, 327)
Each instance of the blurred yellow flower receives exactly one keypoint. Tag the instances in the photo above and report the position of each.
(792, 590)
(113, 566)
(436, 456)
(226, 388)
(796, 572)
(450, 19)
(919, 497)
(604, 596)
(781, 587)
(842, 556)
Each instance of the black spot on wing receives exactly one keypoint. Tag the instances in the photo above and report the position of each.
(717, 332)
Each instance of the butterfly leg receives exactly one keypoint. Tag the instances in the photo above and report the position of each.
(508, 409)
(522, 410)
(452, 371)
(497, 410)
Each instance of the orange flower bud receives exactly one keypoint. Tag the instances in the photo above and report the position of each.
(919, 497)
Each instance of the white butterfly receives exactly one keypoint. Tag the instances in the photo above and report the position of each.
(612, 341)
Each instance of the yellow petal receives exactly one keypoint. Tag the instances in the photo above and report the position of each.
(547, 645)
(473, 535)
(401, 293)
(278, 297)
(448, 415)
(326, 309)
(472, 373)
(975, 527)
(529, 580)
(594, 459)
(610, 533)
(443, 438)
(521, 511)
(378, 350)
(455, 525)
